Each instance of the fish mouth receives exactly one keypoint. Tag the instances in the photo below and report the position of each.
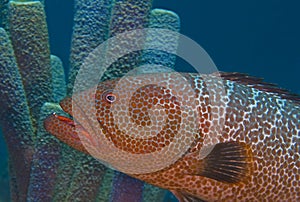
(65, 120)
(67, 130)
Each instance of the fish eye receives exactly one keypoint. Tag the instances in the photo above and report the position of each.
(109, 97)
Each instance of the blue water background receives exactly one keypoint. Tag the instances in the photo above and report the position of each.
(261, 38)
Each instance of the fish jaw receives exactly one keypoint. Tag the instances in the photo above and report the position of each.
(78, 131)
(66, 130)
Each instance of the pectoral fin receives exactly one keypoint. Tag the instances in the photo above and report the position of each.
(228, 162)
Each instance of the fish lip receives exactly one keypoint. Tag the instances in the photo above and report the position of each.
(71, 136)
(70, 121)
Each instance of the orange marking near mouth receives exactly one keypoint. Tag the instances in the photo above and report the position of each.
(66, 130)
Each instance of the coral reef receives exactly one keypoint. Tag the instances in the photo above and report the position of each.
(42, 168)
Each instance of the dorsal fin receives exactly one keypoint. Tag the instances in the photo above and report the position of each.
(259, 84)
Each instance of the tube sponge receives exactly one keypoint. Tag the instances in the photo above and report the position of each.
(29, 35)
(58, 79)
(47, 148)
(91, 28)
(105, 188)
(127, 15)
(3, 13)
(16, 123)
(157, 60)
(79, 176)
(126, 188)
(45, 160)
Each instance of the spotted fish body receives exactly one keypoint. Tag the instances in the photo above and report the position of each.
(239, 136)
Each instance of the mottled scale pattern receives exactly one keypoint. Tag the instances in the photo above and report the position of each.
(217, 110)
(139, 105)
(266, 122)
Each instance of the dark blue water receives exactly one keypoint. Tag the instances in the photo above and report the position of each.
(256, 37)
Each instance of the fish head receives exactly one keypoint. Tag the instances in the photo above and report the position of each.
(72, 124)
(137, 124)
